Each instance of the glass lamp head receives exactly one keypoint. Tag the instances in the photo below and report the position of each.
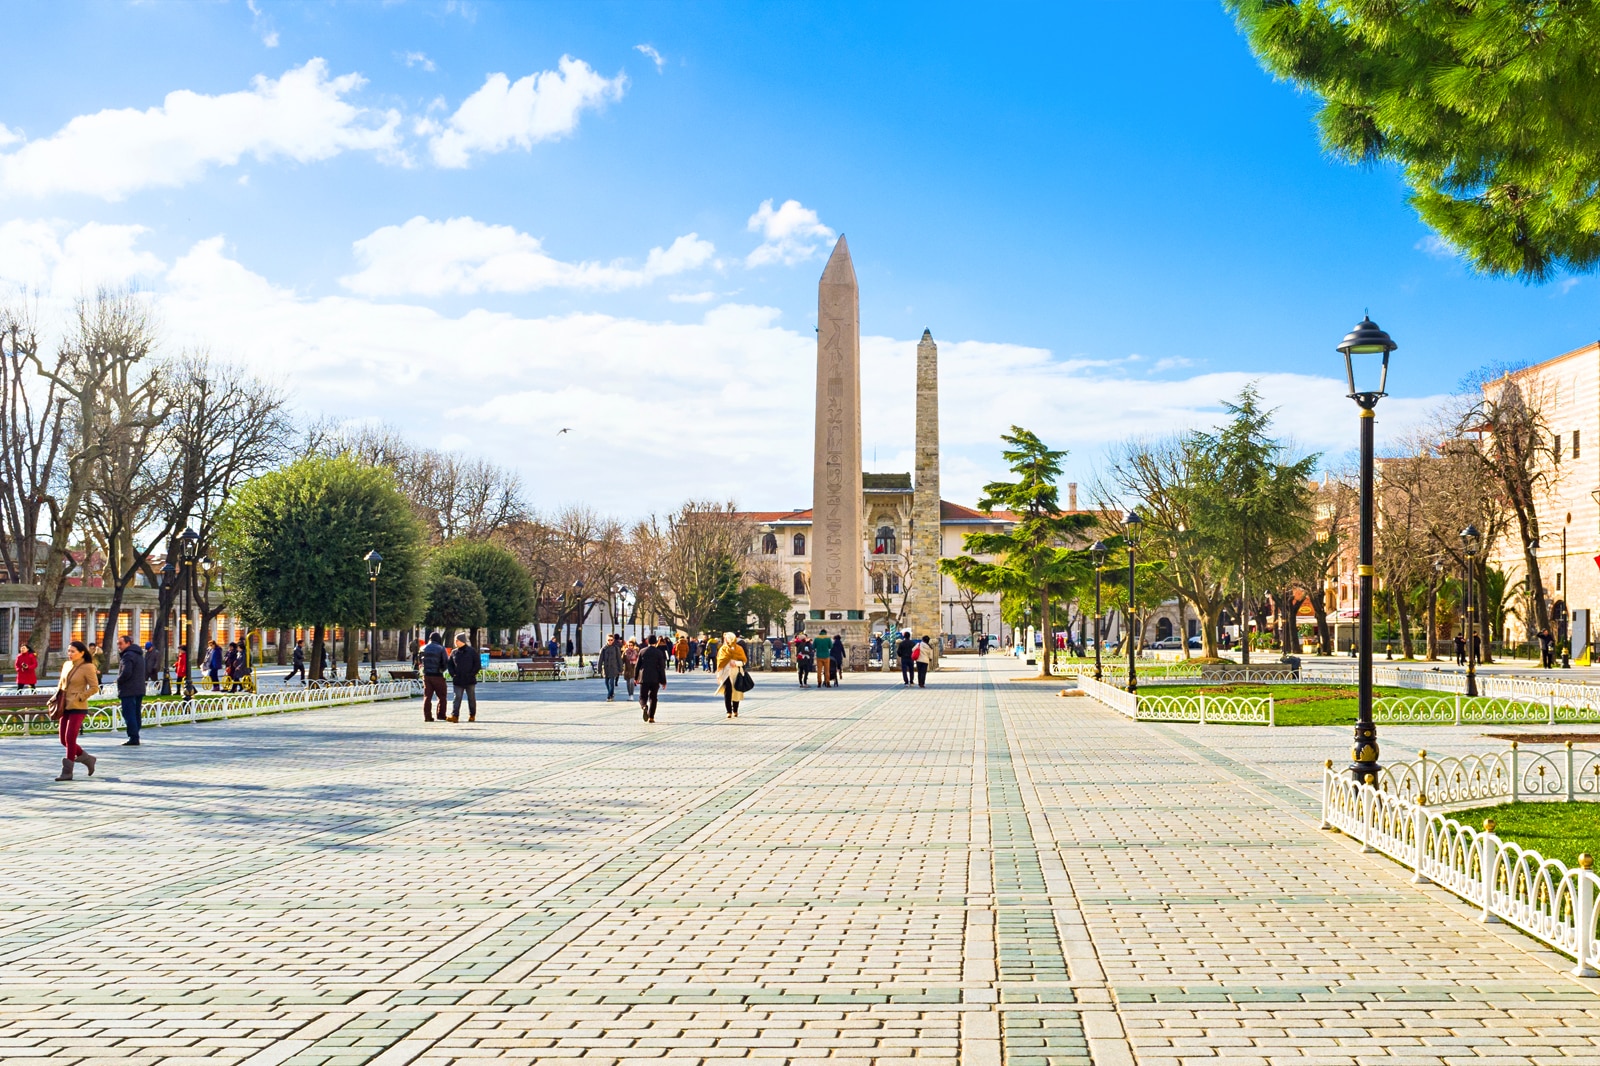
(1097, 552)
(1471, 541)
(1366, 355)
(190, 542)
(1132, 526)
(374, 563)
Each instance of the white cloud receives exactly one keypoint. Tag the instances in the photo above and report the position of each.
(789, 234)
(1437, 247)
(462, 255)
(691, 297)
(419, 59)
(651, 54)
(262, 24)
(62, 264)
(539, 107)
(302, 116)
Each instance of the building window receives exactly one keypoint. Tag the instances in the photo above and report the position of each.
(799, 583)
(799, 543)
(1574, 444)
(769, 544)
(894, 584)
(1555, 448)
(877, 584)
(884, 542)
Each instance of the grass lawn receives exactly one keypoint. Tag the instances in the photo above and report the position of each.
(1555, 830)
(1292, 704)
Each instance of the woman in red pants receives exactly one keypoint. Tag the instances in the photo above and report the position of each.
(79, 680)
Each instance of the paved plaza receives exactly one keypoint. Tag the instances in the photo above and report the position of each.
(979, 872)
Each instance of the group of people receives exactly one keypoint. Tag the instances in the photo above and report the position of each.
(647, 666)
(79, 682)
(461, 665)
(823, 656)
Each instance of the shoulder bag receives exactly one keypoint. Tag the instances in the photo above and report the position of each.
(744, 682)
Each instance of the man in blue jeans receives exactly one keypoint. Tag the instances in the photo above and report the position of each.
(130, 686)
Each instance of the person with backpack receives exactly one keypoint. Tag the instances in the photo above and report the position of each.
(434, 661)
(822, 648)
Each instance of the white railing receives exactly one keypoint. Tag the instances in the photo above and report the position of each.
(1111, 696)
(1512, 775)
(563, 671)
(1507, 882)
(103, 717)
(1202, 708)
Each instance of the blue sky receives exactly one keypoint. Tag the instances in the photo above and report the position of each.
(1109, 217)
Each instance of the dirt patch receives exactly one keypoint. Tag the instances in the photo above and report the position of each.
(1547, 738)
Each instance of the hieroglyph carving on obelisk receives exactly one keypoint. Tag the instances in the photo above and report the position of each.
(922, 597)
(836, 565)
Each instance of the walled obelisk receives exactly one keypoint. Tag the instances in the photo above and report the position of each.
(837, 581)
(922, 592)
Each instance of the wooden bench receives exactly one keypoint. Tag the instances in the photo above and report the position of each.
(27, 709)
(404, 675)
(540, 666)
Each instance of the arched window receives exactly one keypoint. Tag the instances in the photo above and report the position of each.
(877, 584)
(1163, 628)
(769, 544)
(799, 622)
(799, 582)
(799, 543)
(884, 542)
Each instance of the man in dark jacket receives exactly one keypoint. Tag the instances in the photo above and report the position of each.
(297, 663)
(652, 670)
(130, 686)
(434, 661)
(152, 664)
(464, 664)
(611, 664)
(836, 660)
(902, 651)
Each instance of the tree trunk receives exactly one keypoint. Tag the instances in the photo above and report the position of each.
(1402, 608)
(318, 639)
(1481, 592)
(1044, 625)
(1244, 624)
(1433, 621)
(352, 655)
(1319, 609)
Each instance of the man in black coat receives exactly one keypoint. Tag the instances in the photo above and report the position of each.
(433, 663)
(130, 686)
(652, 671)
(464, 664)
(902, 651)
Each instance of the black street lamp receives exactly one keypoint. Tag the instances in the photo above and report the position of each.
(1097, 552)
(374, 564)
(1471, 542)
(1365, 340)
(191, 552)
(165, 600)
(577, 592)
(1131, 525)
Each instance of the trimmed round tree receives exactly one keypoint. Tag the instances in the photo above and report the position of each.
(506, 587)
(454, 603)
(294, 543)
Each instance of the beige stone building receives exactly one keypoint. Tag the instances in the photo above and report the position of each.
(1566, 392)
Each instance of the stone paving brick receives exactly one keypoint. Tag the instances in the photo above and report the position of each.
(861, 875)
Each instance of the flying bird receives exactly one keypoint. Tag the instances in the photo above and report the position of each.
(566, 430)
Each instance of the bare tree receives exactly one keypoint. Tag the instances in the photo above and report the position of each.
(34, 428)
(687, 558)
(1334, 506)
(536, 544)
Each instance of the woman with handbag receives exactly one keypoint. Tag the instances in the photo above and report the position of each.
(733, 680)
(79, 681)
(27, 669)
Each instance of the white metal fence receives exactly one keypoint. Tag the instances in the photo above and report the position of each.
(104, 717)
(1200, 707)
(1515, 774)
(1543, 897)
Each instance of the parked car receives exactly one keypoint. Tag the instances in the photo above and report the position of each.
(1174, 643)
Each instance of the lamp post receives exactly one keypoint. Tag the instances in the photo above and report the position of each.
(577, 593)
(1097, 552)
(1366, 340)
(1470, 543)
(374, 564)
(1565, 629)
(165, 601)
(1131, 525)
(191, 552)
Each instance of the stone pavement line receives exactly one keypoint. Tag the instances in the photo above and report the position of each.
(1230, 929)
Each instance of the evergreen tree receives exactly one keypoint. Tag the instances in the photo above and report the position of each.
(506, 588)
(1491, 109)
(1035, 558)
(454, 603)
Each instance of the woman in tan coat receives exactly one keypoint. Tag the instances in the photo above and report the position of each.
(731, 662)
(79, 680)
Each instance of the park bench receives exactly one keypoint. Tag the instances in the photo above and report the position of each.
(541, 666)
(26, 709)
(403, 675)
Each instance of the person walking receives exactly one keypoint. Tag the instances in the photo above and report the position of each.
(181, 670)
(79, 681)
(804, 659)
(731, 662)
(611, 665)
(1547, 649)
(922, 655)
(27, 665)
(822, 648)
(630, 664)
(902, 651)
(297, 663)
(681, 651)
(1461, 650)
(152, 664)
(836, 660)
(652, 674)
(214, 664)
(130, 687)
(464, 664)
(434, 661)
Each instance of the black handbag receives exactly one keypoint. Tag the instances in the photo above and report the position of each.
(744, 682)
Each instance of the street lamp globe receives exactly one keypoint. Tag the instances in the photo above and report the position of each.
(190, 541)
(1097, 552)
(1471, 541)
(1132, 526)
(374, 563)
(1373, 345)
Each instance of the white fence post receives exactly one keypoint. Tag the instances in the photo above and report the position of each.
(1327, 792)
(1458, 709)
(1584, 878)
(1550, 703)
(1369, 816)
(1516, 776)
(1272, 715)
(1203, 710)
(1489, 856)
(1419, 828)
(1571, 789)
